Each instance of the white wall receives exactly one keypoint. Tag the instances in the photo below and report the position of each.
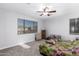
(56, 25)
(8, 29)
(60, 24)
(2, 29)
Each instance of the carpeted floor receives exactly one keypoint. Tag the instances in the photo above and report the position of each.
(20, 51)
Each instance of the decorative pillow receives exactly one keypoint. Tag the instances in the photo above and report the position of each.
(51, 41)
(45, 50)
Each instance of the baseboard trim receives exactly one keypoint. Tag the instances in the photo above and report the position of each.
(8, 46)
(14, 45)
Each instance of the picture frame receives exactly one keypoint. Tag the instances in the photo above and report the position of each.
(74, 26)
(27, 26)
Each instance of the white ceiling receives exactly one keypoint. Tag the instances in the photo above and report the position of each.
(31, 8)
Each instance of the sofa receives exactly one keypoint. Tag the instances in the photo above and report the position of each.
(60, 48)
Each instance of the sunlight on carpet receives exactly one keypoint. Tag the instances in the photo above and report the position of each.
(24, 46)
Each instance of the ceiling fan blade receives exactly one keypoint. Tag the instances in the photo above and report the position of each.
(51, 11)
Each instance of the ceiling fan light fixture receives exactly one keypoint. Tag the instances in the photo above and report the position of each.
(46, 11)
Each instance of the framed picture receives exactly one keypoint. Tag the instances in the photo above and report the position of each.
(74, 26)
(26, 26)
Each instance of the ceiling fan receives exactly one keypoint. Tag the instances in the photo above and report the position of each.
(46, 11)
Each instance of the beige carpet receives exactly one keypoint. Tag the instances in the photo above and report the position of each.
(33, 50)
